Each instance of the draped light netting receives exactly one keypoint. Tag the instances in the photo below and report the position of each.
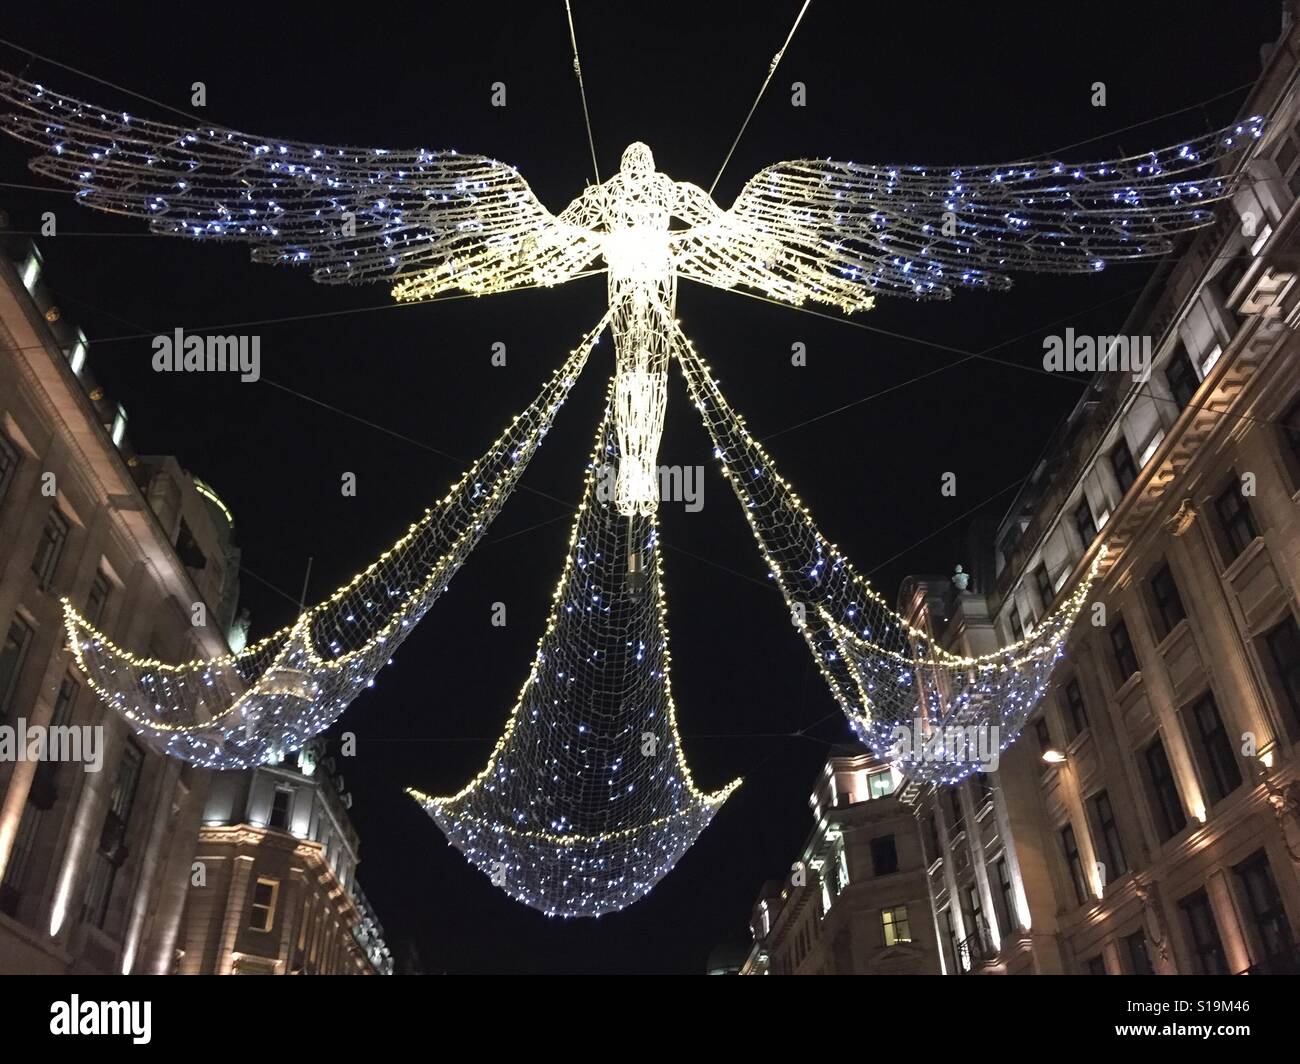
(247, 708)
(885, 674)
(587, 801)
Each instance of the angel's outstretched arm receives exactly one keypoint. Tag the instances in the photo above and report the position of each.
(694, 206)
(586, 213)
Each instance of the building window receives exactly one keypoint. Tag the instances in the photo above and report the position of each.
(884, 855)
(97, 600)
(1122, 645)
(976, 925)
(40, 798)
(1182, 378)
(1085, 523)
(1005, 894)
(15, 875)
(1045, 590)
(1286, 158)
(950, 935)
(1076, 711)
(897, 928)
(1095, 965)
(112, 850)
(1112, 846)
(983, 789)
(1235, 519)
(1017, 629)
(1268, 916)
(1290, 439)
(1043, 734)
(932, 839)
(54, 537)
(280, 804)
(1074, 863)
(1283, 643)
(188, 549)
(265, 892)
(1172, 819)
(880, 784)
(1214, 748)
(1169, 604)
(954, 809)
(8, 465)
(1121, 464)
(1139, 960)
(1205, 934)
(1230, 276)
(12, 656)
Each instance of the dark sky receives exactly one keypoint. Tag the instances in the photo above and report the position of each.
(911, 83)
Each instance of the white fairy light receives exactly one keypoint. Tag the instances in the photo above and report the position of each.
(274, 695)
(586, 801)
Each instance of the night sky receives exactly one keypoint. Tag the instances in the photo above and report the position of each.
(910, 83)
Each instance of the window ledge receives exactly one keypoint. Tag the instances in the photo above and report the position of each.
(1128, 686)
(1252, 549)
(1175, 633)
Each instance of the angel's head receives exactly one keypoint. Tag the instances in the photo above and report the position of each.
(637, 162)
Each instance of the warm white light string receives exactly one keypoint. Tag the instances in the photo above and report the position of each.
(586, 801)
(884, 672)
(243, 709)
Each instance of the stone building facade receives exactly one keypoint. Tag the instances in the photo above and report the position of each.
(1148, 820)
(275, 887)
(93, 864)
(854, 902)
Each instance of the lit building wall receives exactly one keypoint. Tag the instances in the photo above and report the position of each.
(275, 890)
(854, 902)
(1161, 832)
(92, 865)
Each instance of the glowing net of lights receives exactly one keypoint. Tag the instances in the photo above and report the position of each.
(586, 802)
(831, 231)
(885, 673)
(247, 708)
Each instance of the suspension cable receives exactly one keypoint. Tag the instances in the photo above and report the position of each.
(582, 91)
(776, 59)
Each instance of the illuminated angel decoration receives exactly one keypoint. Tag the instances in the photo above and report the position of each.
(431, 221)
(427, 222)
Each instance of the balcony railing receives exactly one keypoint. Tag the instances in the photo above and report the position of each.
(973, 951)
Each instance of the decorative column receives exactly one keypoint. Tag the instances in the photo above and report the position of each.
(240, 872)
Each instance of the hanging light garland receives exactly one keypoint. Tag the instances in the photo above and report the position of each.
(243, 709)
(586, 801)
(896, 685)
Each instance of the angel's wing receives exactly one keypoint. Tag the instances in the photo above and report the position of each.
(350, 214)
(837, 232)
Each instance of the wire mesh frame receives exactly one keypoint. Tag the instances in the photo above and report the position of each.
(244, 709)
(938, 716)
(587, 801)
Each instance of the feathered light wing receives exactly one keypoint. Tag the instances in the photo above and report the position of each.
(837, 232)
(349, 214)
